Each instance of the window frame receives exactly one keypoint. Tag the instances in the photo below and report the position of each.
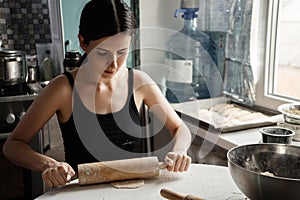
(265, 50)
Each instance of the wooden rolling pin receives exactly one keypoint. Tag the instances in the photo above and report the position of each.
(117, 170)
(171, 195)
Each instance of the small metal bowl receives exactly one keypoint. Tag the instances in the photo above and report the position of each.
(291, 112)
(275, 134)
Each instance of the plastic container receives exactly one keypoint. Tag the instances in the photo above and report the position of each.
(191, 56)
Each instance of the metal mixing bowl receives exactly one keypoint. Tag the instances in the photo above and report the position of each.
(291, 112)
(251, 167)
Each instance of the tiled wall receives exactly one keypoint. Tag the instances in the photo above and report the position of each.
(23, 23)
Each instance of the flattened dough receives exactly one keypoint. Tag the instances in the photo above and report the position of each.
(130, 184)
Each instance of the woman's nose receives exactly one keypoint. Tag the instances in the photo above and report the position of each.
(113, 61)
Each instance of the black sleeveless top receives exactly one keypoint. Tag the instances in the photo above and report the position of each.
(90, 137)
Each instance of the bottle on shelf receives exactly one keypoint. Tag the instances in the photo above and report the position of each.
(191, 58)
(33, 69)
(47, 66)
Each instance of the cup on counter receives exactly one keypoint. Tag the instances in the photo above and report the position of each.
(276, 134)
(293, 127)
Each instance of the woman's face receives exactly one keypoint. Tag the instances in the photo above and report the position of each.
(107, 55)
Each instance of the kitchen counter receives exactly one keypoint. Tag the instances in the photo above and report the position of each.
(206, 181)
(226, 140)
(230, 139)
(18, 98)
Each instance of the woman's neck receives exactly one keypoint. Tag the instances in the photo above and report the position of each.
(107, 92)
(112, 83)
(86, 77)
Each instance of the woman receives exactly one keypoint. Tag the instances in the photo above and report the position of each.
(97, 104)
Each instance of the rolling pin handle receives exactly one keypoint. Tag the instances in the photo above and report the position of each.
(162, 165)
(169, 194)
(192, 197)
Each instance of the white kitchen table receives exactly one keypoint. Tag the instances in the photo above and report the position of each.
(209, 182)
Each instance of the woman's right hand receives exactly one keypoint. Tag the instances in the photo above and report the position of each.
(58, 174)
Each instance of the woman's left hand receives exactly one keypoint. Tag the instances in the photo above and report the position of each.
(177, 161)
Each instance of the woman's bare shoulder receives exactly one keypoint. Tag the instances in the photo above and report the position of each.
(141, 77)
(144, 84)
(59, 84)
(57, 90)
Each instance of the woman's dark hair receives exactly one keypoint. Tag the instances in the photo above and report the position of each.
(101, 18)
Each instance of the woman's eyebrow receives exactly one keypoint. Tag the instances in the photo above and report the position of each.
(123, 49)
(98, 48)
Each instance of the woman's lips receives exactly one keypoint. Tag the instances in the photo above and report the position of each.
(109, 72)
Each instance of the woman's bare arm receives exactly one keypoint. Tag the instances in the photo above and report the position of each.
(17, 148)
(151, 95)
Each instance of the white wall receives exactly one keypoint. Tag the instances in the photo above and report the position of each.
(157, 22)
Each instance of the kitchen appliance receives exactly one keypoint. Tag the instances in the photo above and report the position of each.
(13, 89)
(15, 99)
(13, 68)
(13, 73)
(266, 171)
(17, 182)
(72, 58)
(13, 109)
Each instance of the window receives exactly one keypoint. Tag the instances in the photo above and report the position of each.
(284, 60)
(281, 45)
